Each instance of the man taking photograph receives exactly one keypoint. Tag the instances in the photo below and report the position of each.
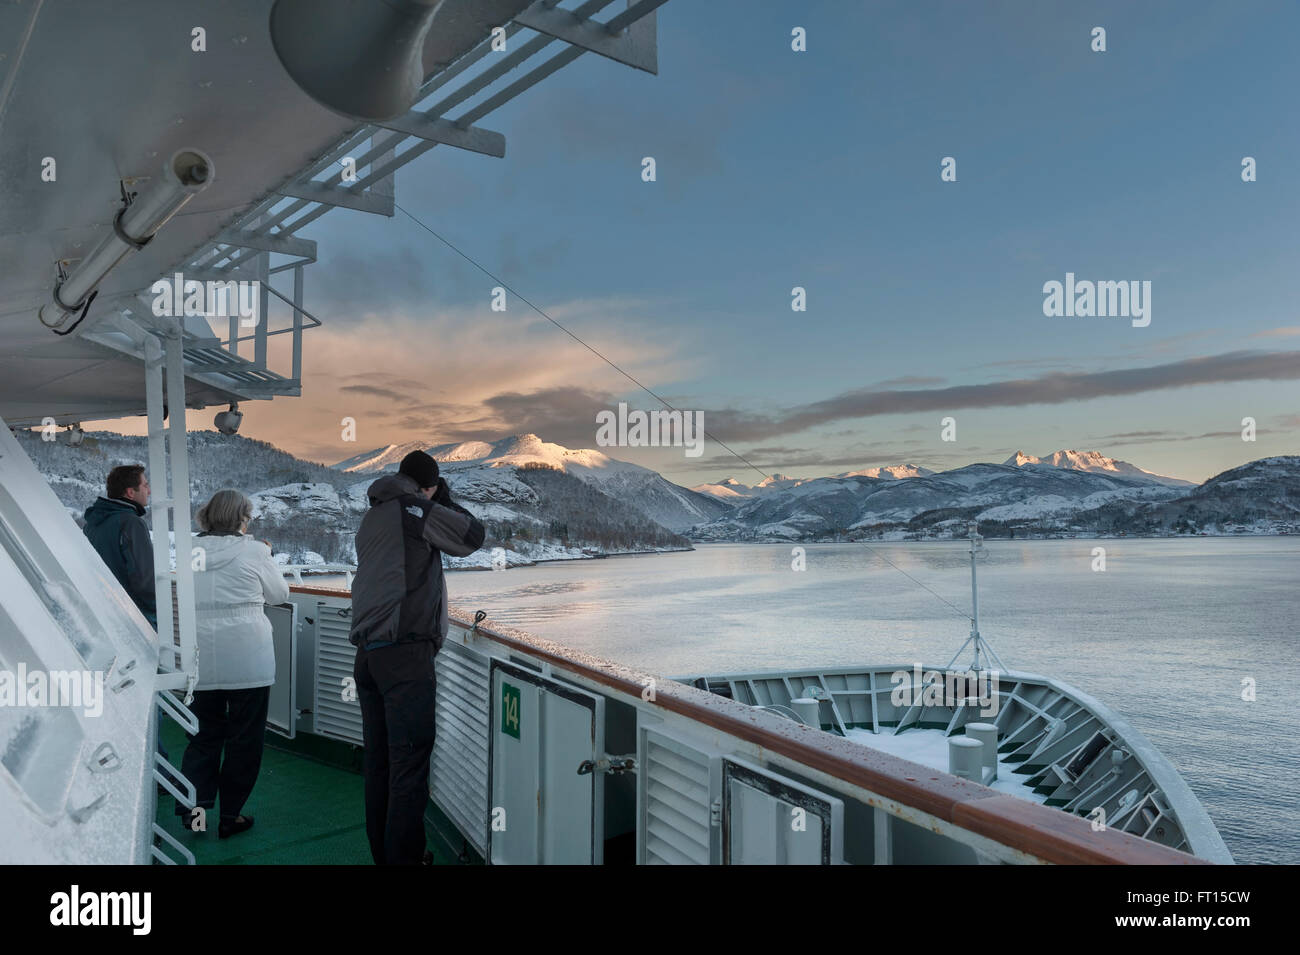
(399, 613)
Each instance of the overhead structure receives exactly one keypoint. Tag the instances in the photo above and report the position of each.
(247, 225)
(360, 58)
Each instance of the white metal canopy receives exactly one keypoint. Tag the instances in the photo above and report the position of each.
(109, 90)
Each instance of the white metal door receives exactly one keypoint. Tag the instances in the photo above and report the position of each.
(282, 710)
(769, 819)
(543, 811)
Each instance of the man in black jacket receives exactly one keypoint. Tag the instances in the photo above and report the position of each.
(399, 620)
(116, 529)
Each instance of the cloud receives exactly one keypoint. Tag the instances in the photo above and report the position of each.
(377, 392)
(519, 259)
(459, 374)
(374, 283)
(1053, 388)
(909, 381)
(562, 415)
(1129, 434)
(1165, 437)
(1285, 331)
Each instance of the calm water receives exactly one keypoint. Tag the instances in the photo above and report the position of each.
(1164, 636)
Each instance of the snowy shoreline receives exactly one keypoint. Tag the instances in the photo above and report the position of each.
(466, 564)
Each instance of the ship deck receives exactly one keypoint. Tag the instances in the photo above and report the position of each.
(308, 805)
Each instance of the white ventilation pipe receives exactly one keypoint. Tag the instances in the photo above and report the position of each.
(184, 176)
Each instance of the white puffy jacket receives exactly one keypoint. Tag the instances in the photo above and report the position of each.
(234, 634)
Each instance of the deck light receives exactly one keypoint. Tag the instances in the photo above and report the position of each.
(227, 422)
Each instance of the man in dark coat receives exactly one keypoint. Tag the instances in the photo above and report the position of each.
(399, 620)
(116, 529)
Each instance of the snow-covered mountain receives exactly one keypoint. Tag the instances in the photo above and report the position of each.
(858, 504)
(661, 501)
(310, 512)
(892, 472)
(730, 488)
(1094, 462)
(541, 500)
(380, 459)
(1033, 497)
(1258, 497)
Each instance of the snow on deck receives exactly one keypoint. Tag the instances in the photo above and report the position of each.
(929, 747)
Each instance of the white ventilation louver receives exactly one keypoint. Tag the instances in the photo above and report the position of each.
(459, 768)
(677, 792)
(335, 716)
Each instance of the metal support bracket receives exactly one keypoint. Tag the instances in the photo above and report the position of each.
(266, 242)
(448, 134)
(635, 46)
(343, 198)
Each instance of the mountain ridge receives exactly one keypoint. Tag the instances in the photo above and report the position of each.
(1095, 462)
(667, 504)
(544, 501)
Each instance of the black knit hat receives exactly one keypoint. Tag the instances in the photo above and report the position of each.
(421, 468)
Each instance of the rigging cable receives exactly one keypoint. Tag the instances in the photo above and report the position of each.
(629, 377)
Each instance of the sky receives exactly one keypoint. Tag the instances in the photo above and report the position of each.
(821, 169)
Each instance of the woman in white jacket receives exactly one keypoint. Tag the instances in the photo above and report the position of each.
(235, 577)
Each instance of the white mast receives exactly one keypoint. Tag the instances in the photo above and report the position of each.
(976, 546)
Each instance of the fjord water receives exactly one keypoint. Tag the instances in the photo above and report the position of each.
(1165, 636)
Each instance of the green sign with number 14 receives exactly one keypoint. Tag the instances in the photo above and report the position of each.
(510, 710)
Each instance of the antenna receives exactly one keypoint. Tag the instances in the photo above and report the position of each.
(976, 547)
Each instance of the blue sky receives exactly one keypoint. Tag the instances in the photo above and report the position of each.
(821, 169)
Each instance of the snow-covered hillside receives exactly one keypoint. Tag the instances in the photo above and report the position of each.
(661, 501)
(544, 501)
(311, 512)
(1032, 497)
(730, 489)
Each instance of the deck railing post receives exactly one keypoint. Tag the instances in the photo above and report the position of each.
(178, 455)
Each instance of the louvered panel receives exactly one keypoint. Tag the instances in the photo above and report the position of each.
(459, 768)
(335, 716)
(676, 826)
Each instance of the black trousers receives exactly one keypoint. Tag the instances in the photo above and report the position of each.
(233, 722)
(397, 689)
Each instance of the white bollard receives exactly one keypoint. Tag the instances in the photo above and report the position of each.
(808, 710)
(987, 734)
(966, 757)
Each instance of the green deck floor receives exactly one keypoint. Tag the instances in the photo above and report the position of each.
(308, 808)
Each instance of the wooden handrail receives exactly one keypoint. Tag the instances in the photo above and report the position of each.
(1042, 832)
